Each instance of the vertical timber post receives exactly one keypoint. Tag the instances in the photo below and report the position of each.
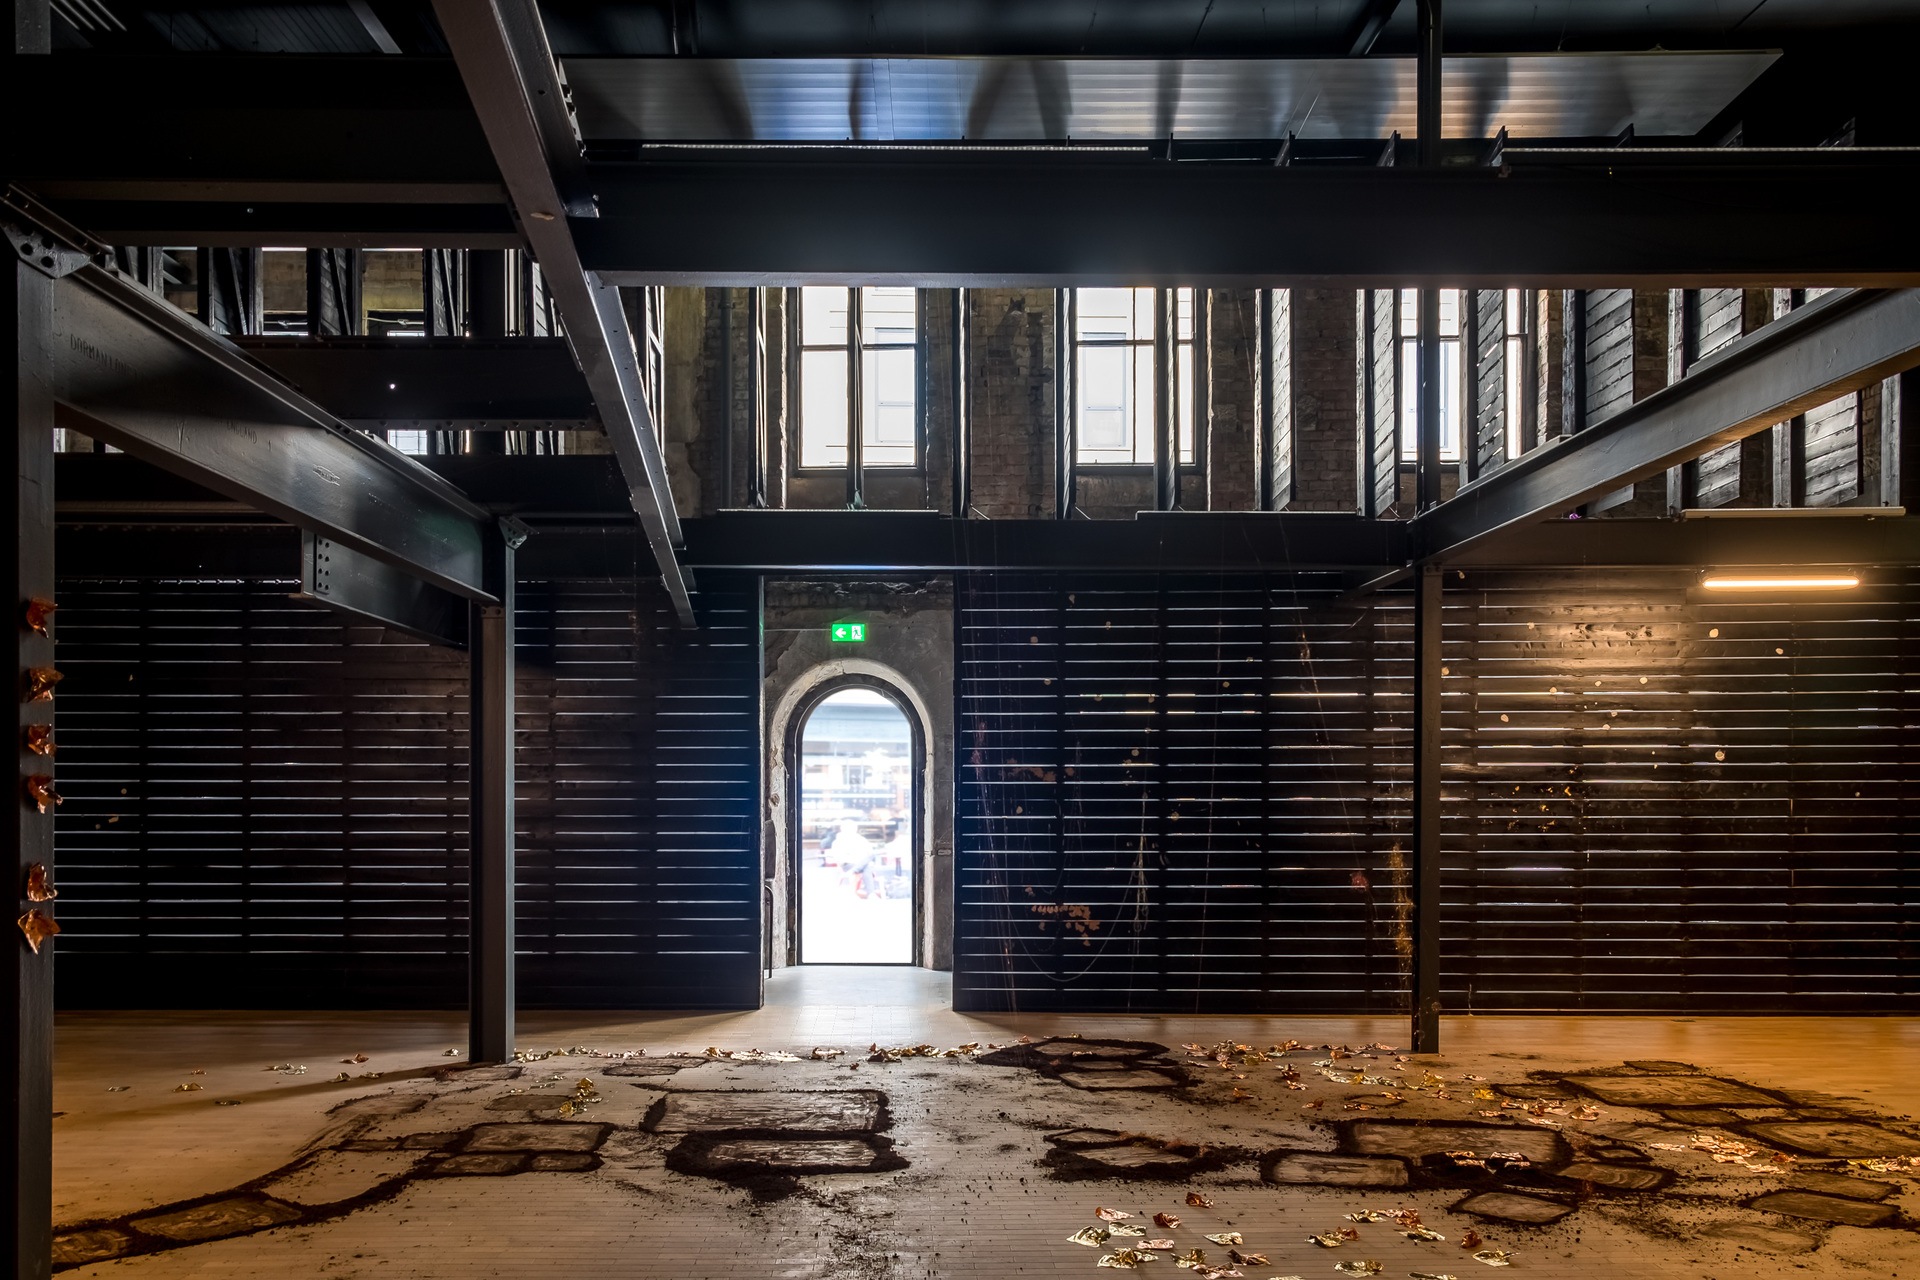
(28, 1115)
(490, 774)
(1426, 810)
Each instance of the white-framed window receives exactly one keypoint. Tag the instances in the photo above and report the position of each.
(1514, 366)
(889, 410)
(414, 442)
(1113, 375)
(1452, 379)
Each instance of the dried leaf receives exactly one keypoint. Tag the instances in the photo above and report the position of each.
(1432, 1275)
(118, 1088)
(1197, 1201)
(1494, 1257)
(40, 791)
(39, 887)
(1328, 1239)
(40, 616)
(1361, 1267)
(38, 926)
(1193, 1258)
(189, 1087)
(1126, 1259)
(1112, 1215)
(821, 1055)
(1167, 1220)
(40, 739)
(1092, 1237)
(1471, 1240)
(226, 1102)
(1160, 1242)
(1227, 1237)
(356, 1058)
(40, 682)
(1424, 1233)
(1247, 1259)
(342, 1078)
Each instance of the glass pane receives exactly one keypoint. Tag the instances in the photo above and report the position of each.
(1513, 313)
(1183, 310)
(856, 851)
(283, 291)
(887, 426)
(1105, 404)
(392, 293)
(1409, 313)
(1449, 313)
(888, 316)
(1409, 400)
(1113, 315)
(1515, 353)
(1184, 391)
(823, 315)
(823, 408)
(1452, 399)
(408, 441)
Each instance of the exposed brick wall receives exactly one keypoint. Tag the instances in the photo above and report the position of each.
(1233, 440)
(1317, 344)
(1011, 382)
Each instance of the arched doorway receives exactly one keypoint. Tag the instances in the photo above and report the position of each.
(856, 839)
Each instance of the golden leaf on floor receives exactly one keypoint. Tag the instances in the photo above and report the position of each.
(342, 1078)
(40, 739)
(118, 1088)
(358, 1057)
(1127, 1229)
(1227, 1237)
(1424, 1233)
(1247, 1259)
(40, 616)
(1193, 1258)
(226, 1102)
(1471, 1240)
(1327, 1239)
(1092, 1237)
(189, 1087)
(821, 1055)
(1432, 1275)
(1197, 1201)
(1126, 1259)
(39, 887)
(1494, 1257)
(38, 927)
(1159, 1242)
(40, 682)
(1370, 1215)
(1112, 1215)
(1362, 1267)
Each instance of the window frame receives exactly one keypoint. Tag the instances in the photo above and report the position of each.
(1189, 463)
(1406, 406)
(856, 397)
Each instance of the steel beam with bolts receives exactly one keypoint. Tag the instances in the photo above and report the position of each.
(453, 384)
(502, 53)
(936, 217)
(131, 370)
(341, 578)
(1836, 344)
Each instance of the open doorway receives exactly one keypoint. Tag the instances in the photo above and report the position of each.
(856, 847)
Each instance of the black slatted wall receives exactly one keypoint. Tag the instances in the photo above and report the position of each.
(1192, 795)
(267, 802)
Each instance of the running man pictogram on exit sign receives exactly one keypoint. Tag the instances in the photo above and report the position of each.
(849, 632)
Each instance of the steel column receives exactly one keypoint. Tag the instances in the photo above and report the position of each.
(490, 747)
(1427, 402)
(757, 397)
(1065, 392)
(856, 403)
(1426, 810)
(962, 406)
(26, 1115)
(1166, 414)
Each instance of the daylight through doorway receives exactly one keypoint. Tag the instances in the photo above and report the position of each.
(856, 846)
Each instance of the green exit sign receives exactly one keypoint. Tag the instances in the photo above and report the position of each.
(849, 632)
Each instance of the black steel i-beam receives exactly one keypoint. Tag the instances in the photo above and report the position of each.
(514, 84)
(1834, 345)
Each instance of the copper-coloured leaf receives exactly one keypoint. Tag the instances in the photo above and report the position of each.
(40, 682)
(40, 791)
(38, 926)
(39, 886)
(1197, 1201)
(40, 616)
(40, 739)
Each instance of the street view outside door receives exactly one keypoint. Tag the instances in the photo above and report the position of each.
(856, 832)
